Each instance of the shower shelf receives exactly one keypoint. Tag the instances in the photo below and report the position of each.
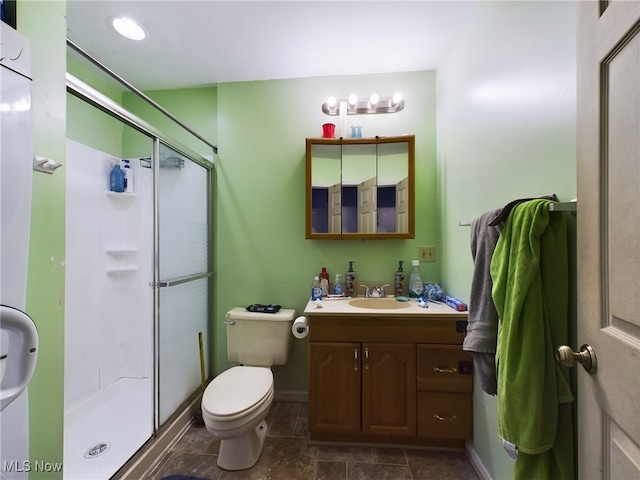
(121, 270)
(116, 252)
(121, 195)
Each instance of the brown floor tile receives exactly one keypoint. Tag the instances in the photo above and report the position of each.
(194, 464)
(346, 454)
(393, 456)
(331, 470)
(286, 455)
(428, 464)
(371, 471)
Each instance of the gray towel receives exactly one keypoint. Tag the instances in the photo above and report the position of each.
(482, 330)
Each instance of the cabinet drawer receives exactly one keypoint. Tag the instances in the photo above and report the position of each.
(444, 368)
(445, 415)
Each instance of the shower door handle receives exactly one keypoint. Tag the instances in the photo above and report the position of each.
(179, 281)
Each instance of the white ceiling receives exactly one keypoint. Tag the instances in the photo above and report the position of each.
(198, 43)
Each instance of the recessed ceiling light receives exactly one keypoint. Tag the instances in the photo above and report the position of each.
(128, 28)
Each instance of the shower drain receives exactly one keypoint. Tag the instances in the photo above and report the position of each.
(97, 450)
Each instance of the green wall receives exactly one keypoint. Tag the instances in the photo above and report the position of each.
(506, 130)
(43, 22)
(261, 253)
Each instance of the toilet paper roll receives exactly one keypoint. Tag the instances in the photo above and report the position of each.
(300, 327)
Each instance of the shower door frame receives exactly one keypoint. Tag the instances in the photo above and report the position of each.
(95, 98)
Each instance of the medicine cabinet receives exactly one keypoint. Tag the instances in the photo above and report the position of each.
(359, 188)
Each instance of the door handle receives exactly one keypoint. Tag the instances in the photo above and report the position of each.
(585, 357)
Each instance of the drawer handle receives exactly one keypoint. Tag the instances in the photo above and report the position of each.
(445, 370)
(452, 418)
(366, 356)
(355, 359)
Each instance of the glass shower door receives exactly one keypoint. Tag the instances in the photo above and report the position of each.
(184, 275)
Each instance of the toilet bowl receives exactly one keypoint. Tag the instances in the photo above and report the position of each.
(234, 407)
(236, 402)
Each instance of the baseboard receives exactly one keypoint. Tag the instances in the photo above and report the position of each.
(155, 450)
(291, 396)
(476, 462)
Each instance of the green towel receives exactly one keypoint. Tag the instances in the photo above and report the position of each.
(529, 270)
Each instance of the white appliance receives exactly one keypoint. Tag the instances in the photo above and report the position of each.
(18, 334)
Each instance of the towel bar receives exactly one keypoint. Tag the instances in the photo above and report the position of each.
(571, 206)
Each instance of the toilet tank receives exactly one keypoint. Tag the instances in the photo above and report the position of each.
(259, 339)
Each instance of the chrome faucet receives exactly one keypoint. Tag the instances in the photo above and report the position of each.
(379, 291)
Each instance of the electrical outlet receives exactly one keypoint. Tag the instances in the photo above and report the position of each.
(427, 254)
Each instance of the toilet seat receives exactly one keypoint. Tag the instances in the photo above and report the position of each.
(237, 392)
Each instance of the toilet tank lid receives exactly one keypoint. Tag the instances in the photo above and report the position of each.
(241, 313)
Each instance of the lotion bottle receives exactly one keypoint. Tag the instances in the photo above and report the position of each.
(350, 281)
(398, 282)
(324, 281)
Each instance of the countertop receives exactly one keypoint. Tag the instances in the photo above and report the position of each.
(342, 307)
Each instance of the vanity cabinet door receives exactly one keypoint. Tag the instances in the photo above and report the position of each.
(334, 387)
(389, 389)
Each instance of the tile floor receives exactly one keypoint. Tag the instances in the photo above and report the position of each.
(287, 456)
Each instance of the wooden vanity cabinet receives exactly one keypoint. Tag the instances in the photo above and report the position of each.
(378, 380)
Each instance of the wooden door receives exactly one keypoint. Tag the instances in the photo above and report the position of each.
(608, 238)
(334, 387)
(367, 210)
(335, 208)
(389, 389)
(402, 205)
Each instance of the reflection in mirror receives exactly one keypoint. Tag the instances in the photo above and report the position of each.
(359, 188)
(326, 194)
(392, 191)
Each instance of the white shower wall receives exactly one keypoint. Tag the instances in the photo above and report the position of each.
(109, 264)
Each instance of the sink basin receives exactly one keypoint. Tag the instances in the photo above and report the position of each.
(379, 303)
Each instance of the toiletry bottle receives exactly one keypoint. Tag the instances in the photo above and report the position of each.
(398, 283)
(116, 179)
(337, 286)
(416, 287)
(128, 176)
(316, 289)
(324, 281)
(350, 281)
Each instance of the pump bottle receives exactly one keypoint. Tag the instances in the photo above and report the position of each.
(350, 281)
(416, 287)
(398, 283)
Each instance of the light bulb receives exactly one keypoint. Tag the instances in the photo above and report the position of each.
(373, 99)
(353, 99)
(396, 99)
(331, 102)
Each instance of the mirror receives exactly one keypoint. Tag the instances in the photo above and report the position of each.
(360, 188)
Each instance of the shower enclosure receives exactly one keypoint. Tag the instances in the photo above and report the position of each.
(138, 281)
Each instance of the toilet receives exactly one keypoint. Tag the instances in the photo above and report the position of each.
(236, 402)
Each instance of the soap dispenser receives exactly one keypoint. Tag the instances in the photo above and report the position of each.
(337, 286)
(416, 287)
(398, 283)
(350, 281)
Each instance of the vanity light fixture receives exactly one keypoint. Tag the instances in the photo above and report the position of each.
(357, 106)
(128, 28)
